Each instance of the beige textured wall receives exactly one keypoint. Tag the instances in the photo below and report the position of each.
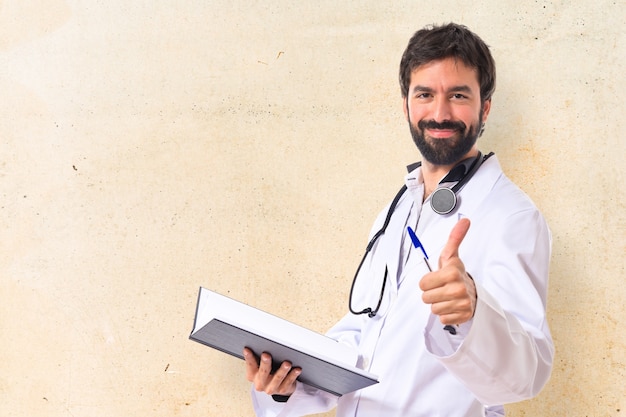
(150, 147)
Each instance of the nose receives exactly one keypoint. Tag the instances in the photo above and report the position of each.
(441, 110)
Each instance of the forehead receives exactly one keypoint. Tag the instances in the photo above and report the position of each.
(445, 73)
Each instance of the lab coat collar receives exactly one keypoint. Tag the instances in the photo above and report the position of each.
(455, 174)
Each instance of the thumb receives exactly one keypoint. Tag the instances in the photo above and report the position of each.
(451, 250)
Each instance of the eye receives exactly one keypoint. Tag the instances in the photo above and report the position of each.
(459, 96)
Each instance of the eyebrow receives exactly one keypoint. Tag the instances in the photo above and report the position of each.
(455, 89)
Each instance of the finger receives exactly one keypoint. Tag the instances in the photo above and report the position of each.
(454, 311)
(262, 376)
(454, 318)
(451, 250)
(452, 307)
(288, 386)
(278, 378)
(281, 372)
(252, 364)
(433, 293)
(265, 366)
(437, 280)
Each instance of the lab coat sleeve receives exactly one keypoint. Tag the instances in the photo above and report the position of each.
(505, 353)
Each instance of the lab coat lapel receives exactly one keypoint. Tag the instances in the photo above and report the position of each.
(391, 241)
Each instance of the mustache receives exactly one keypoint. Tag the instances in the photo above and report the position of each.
(446, 124)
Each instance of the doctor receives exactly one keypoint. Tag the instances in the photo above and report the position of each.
(472, 334)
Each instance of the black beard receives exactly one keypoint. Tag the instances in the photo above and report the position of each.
(445, 151)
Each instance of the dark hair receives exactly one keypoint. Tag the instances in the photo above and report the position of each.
(452, 40)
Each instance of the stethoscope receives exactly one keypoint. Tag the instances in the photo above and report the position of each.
(443, 201)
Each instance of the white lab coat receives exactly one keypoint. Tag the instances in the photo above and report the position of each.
(504, 354)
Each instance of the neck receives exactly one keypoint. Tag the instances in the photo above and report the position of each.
(432, 174)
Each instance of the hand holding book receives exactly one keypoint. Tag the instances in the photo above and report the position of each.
(259, 371)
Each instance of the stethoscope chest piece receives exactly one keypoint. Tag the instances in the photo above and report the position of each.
(443, 200)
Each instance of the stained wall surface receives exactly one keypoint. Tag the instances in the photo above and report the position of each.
(151, 147)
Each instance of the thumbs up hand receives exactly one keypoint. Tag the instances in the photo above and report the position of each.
(450, 291)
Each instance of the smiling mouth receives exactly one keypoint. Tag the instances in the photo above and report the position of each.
(441, 133)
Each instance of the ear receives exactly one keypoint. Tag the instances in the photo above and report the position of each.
(405, 108)
(486, 109)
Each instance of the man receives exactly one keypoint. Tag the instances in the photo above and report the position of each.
(472, 334)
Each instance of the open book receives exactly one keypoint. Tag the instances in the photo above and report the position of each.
(228, 325)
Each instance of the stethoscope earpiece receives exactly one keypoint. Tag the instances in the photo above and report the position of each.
(443, 200)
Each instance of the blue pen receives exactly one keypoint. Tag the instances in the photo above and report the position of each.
(418, 244)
